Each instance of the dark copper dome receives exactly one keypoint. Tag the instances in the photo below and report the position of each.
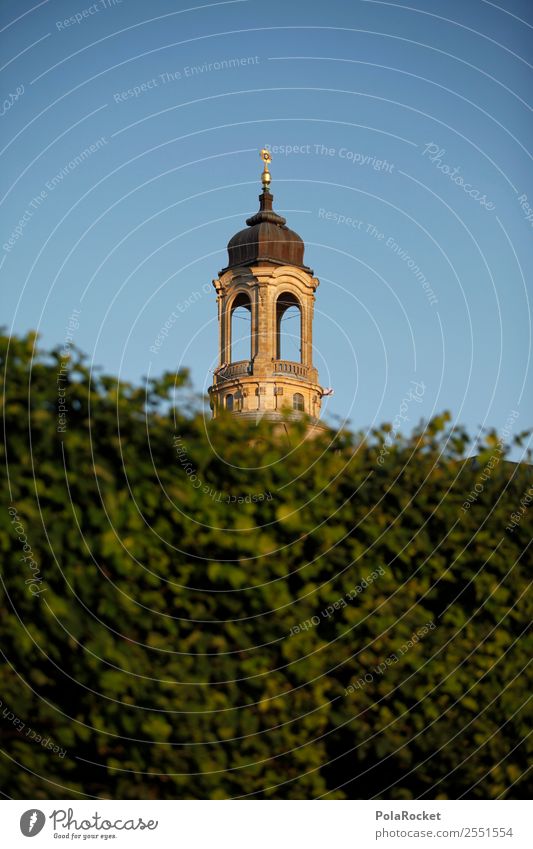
(266, 239)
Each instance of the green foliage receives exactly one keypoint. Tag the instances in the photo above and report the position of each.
(157, 640)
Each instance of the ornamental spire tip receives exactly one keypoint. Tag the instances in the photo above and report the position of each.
(265, 176)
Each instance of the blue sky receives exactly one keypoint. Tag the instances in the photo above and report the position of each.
(409, 173)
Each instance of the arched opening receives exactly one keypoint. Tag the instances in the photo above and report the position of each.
(241, 328)
(288, 328)
(298, 402)
(229, 403)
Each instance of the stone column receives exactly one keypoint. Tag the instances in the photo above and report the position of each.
(255, 321)
(263, 350)
(226, 331)
(220, 302)
(307, 331)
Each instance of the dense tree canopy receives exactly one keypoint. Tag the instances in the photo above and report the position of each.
(196, 609)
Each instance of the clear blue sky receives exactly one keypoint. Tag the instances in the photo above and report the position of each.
(141, 223)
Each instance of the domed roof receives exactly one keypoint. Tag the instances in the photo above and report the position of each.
(266, 239)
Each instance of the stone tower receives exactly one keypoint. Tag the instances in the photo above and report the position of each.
(266, 276)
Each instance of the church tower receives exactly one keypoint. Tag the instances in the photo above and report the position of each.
(267, 371)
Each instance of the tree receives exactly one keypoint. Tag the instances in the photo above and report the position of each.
(201, 611)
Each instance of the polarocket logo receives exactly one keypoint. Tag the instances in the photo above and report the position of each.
(32, 822)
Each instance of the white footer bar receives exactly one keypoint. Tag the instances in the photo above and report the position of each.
(268, 824)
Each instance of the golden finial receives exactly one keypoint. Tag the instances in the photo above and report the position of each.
(265, 176)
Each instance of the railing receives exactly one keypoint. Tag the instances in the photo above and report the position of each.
(235, 369)
(245, 367)
(289, 367)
